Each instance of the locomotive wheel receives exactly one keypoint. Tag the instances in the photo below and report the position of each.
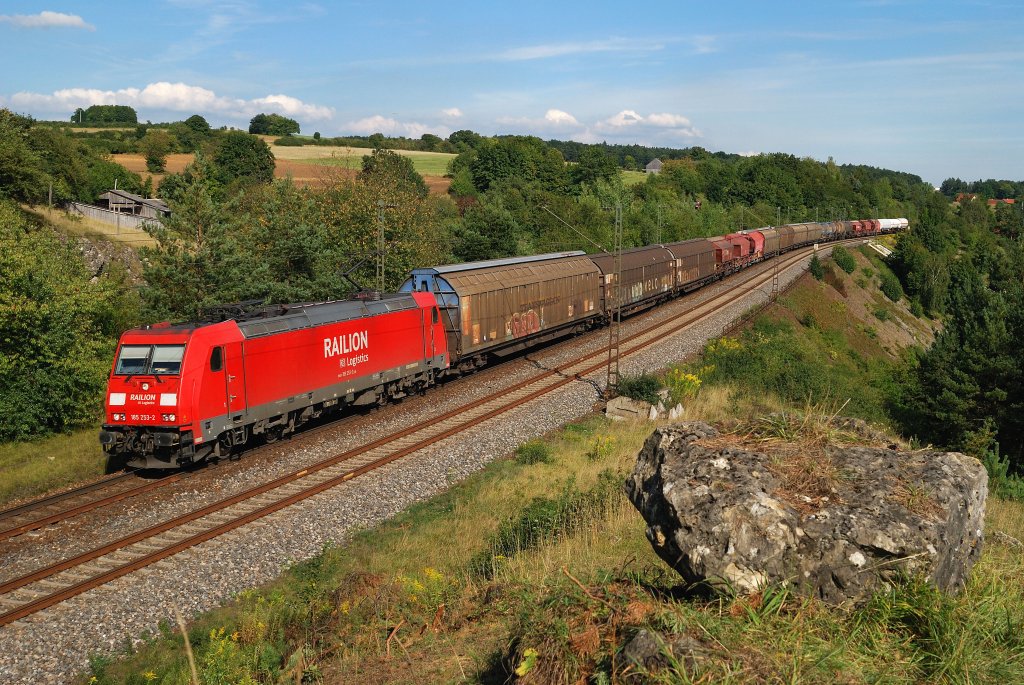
(273, 434)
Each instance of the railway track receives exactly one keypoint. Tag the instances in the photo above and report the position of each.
(36, 591)
(62, 505)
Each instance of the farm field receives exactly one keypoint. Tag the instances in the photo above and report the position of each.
(313, 165)
(426, 163)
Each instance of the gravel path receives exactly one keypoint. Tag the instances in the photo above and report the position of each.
(54, 645)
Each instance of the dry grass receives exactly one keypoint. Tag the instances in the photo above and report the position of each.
(83, 226)
(32, 468)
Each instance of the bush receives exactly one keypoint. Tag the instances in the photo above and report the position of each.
(644, 387)
(843, 259)
(534, 452)
(916, 309)
(891, 286)
(816, 268)
(289, 141)
(882, 314)
(545, 519)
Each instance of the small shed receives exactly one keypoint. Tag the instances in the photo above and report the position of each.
(130, 203)
(653, 167)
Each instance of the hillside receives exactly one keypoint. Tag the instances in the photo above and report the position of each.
(537, 568)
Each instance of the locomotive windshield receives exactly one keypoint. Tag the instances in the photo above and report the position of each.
(158, 360)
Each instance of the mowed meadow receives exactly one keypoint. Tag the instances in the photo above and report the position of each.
(313, 165)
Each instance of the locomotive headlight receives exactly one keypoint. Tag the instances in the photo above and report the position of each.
(168, 417)
(119, 417)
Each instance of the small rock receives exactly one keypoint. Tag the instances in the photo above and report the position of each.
(627, 408)
(649, 652)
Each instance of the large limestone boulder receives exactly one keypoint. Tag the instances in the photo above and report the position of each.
(835, 525)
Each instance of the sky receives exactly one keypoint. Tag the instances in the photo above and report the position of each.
(932, 88)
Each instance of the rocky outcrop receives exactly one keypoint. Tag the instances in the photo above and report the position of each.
(836, 525)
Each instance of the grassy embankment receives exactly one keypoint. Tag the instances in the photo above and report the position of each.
(538, 566)
(32, 468)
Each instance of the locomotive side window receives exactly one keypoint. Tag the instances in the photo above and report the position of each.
(217, 359)
(434, 315)
(133, 359)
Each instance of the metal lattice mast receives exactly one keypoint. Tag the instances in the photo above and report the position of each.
(775, 280)
(380, 245)
(614, 326)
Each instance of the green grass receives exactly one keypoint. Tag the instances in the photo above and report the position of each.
(426, 163)
(32, 468)
(632, 178)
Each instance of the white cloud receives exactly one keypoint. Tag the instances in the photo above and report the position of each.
(452, 112)
(175, 97)
(560, 118)
(663, 122)
(46, 20)
(668, 120)
(626, 117)
(531, 52)
(391, 127)
(554, 121)
(749, 153)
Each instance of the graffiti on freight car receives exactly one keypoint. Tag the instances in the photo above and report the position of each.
(524, 324)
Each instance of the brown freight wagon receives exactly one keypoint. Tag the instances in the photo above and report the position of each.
(496, 306)
(695, 263)
(787, 237)
(800, 233)
(771, 241)
(647, 277)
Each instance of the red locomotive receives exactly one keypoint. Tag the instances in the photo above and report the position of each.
(179, 394)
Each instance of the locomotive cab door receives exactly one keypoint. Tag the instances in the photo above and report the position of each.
(234, 381)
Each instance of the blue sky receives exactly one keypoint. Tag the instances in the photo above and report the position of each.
(932, 88)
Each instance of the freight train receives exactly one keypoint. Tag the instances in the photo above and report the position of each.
(179, 394)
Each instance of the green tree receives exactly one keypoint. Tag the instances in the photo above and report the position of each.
(272, 125)
(106, 114)
(22, 177)
(386, 167)
(198, 125)
(155, 146)
(58, 327)
(816, 268)
(971, 377)
(592, 166)
(430, 142)
(244, 158)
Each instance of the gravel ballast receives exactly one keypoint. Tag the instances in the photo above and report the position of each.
(55, 645)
